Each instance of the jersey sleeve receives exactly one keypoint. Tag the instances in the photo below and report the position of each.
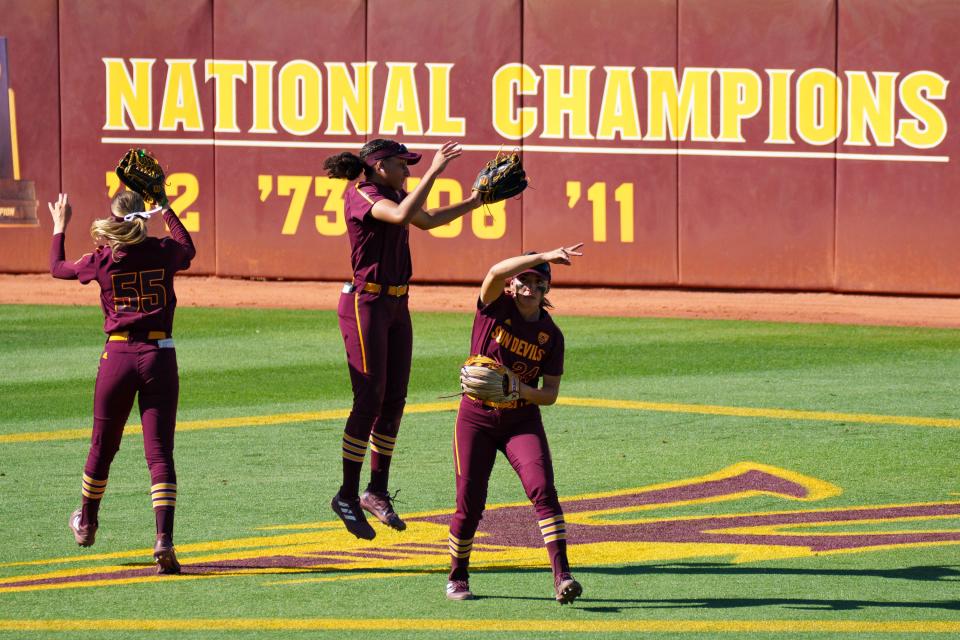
(84, 269)
(495, 307)
(179, 245)
(553, 366)
(362, 200)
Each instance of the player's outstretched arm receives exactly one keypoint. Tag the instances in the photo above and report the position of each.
(410, 209)
(60, 212)
(500, 273)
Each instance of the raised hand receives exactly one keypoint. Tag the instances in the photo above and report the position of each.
(449, 151)
(60, 212)
(563, 255)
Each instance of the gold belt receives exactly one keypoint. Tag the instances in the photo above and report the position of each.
(513, 404)
(124, 336)
(374, 288)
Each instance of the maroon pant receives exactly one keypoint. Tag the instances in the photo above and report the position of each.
(149, 373)
(378, 337)
(480, 433)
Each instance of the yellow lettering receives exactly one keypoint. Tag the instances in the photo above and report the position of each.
(779, 106)
(181, 100)
(441, 123)
(333, 190)
(739, 100)
(225, 74)
(489, 222)
(183, 189)
(298, 188)
(819, 100)
(349, 98)
(509, 83)
(401, 107)
(454, 192)
(673, 107)
(869, 109)
(262, 96)
(928, 127)
(618, 107)
(129, 96)
(301, 94)
(559, 102)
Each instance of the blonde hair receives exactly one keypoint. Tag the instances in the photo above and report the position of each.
(115, 231)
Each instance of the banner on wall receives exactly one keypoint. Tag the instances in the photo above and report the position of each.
(547, 110)
(876, 110)
(18, 198)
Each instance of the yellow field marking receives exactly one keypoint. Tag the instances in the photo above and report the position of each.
(759, 412)
(223, 423)
(365, 576)
(599, 403)
(488, 625)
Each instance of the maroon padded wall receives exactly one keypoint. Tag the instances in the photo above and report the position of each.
(91, 31)
(30, 27)
(429, 31)
(564, 205)
(897, 223)
(803, 214)
(257, 186)
(756, 222)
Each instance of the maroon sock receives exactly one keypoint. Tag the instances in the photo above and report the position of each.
(459, 556)
(379, 481)
(381, 453)
(163, 494)
(91, 492)
(164, 516)
(351, 479)
(89, 513)
(557, 551)
(553, 528)
(353, 452)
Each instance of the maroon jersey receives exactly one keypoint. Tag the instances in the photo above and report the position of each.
(136, 287)
(379, 251)
(528, 348)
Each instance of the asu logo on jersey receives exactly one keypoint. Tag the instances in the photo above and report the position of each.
(517, 346)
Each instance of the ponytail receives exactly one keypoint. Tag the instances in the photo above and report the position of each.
(117, 232)
(345, 166)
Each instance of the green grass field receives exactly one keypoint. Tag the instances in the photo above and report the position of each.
(863, 418)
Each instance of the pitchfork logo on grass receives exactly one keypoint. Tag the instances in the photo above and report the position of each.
(611, 528)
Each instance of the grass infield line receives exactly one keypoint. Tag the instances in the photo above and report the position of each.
(599, 403)
(425, 624)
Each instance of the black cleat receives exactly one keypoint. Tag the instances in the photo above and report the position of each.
(351, 514)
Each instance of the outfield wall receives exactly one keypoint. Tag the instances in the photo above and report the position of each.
(774, 144)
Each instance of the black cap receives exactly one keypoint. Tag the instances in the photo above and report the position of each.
(542, 269)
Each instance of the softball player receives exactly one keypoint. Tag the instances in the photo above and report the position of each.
(373, 313)
(512, 326)
(135, 273)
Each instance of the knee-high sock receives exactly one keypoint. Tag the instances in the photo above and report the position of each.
(353, 451)
(383, 438)
(554, 532)
(91, 492)
(164, 498)
(460, 550)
